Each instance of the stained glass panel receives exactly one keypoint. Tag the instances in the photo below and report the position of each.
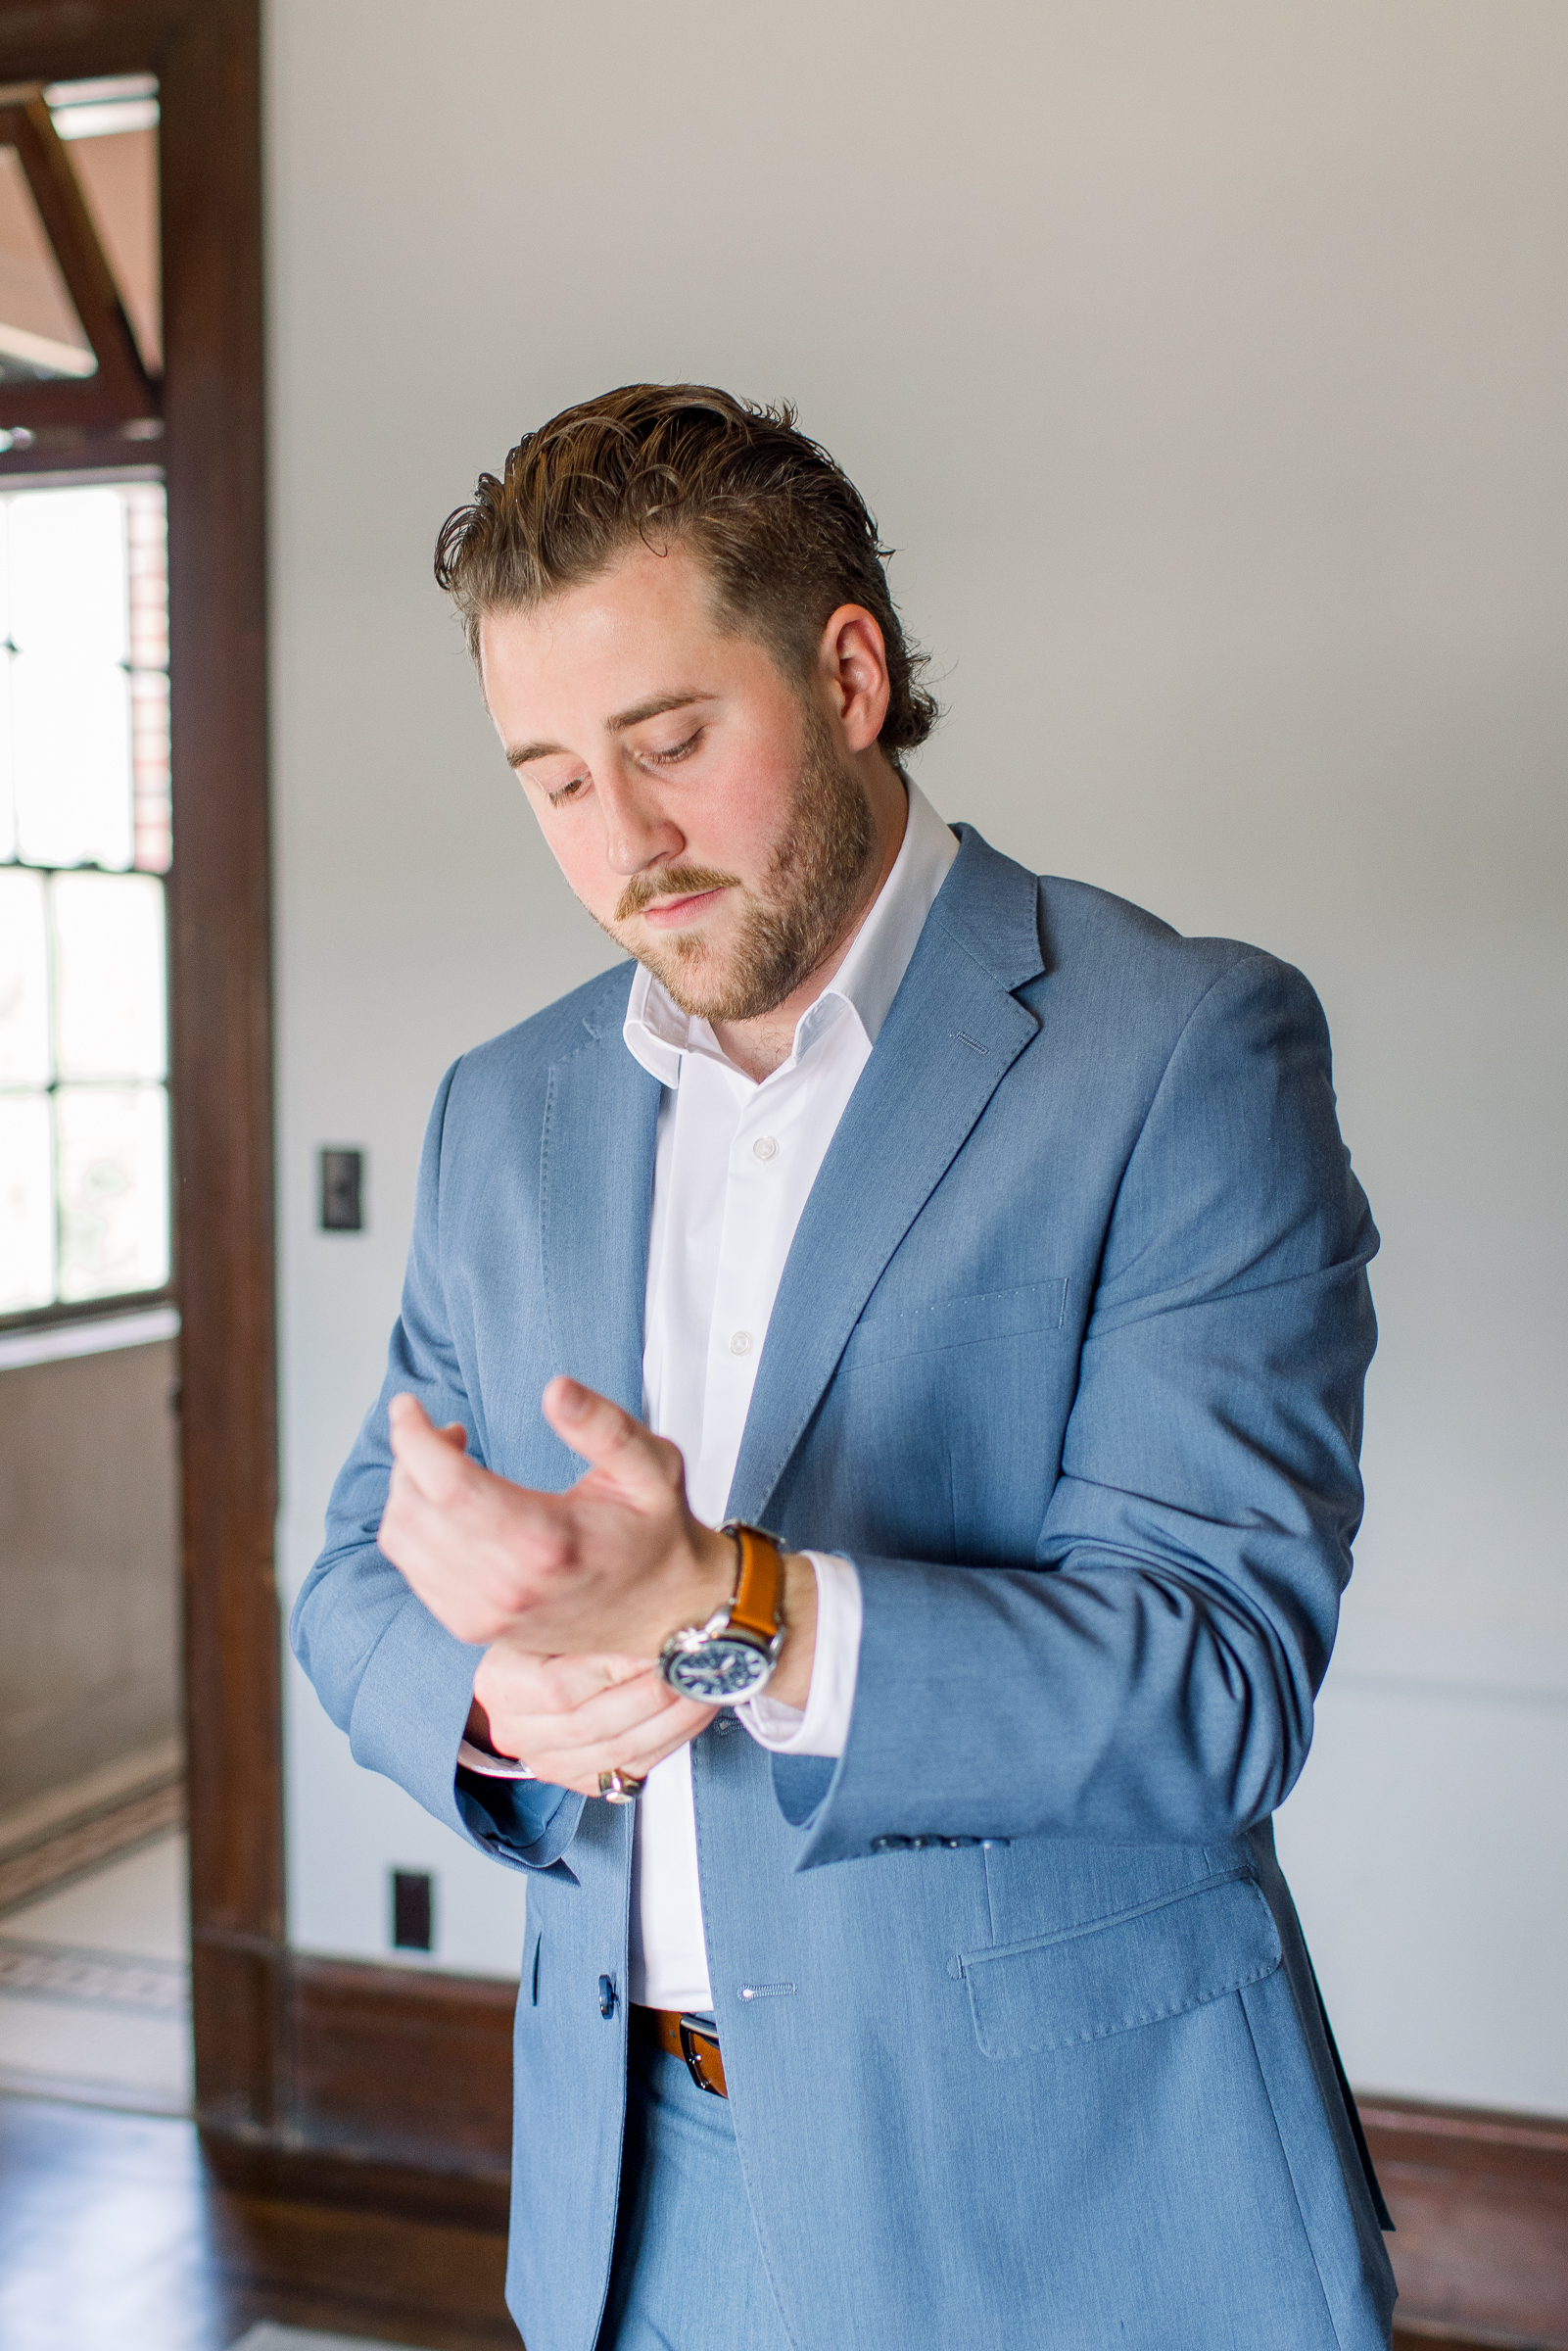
(27, 1204)
(146, 575)
(111, 1160)
(23, 981)
(151, 809)
(109, 976)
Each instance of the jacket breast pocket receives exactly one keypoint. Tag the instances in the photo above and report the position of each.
(1060, 1991)
(883, 1335)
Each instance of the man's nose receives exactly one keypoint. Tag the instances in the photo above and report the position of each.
(636, 830)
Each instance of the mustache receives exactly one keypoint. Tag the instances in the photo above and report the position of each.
(670, 881)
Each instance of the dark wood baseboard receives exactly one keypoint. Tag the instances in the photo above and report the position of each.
(351, 2183)
(1480, 2201)
(402, 2066)
(396, 2094)
(1419, 2337)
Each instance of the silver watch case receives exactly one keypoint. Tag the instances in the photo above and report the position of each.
(715, 1666)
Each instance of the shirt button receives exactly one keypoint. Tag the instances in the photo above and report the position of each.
(764, 1147)
(741, 1342)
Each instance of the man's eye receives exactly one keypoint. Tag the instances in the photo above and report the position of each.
(567, 791)
(677, 750)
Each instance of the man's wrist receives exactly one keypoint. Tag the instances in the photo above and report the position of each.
(716, 1567)
(820, 1724)
(789, 1683)
(708, 1586)
(719, 1559)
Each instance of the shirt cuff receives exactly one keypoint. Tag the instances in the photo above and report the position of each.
(491, 1767)
(822, 1726)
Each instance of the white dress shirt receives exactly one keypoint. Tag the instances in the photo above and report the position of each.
(735, 1162)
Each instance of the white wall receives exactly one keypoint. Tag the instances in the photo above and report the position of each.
(1207, 367)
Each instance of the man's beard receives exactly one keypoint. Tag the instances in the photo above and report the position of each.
(806, 897)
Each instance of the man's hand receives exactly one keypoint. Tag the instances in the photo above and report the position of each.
(580, 1589)
(611, 1566)
(571, 1719)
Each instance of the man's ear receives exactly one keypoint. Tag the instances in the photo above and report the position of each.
(852, 662)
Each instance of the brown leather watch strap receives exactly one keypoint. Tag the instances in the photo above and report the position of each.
(758, 1604)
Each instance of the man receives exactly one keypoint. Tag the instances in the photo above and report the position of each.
(996, 1248)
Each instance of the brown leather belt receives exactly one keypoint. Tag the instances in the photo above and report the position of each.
(688, 2038)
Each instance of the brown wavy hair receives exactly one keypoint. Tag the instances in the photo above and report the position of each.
(783, 534)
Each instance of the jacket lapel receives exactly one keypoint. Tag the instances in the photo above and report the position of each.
(595, 1192)
(952, 1031)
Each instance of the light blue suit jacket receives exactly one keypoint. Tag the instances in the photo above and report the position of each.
(1021, 2038)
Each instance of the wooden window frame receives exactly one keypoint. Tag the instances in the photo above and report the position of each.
(206, 56)
(305, 2068)
(113, 458)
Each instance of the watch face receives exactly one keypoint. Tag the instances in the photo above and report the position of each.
(719, 1671)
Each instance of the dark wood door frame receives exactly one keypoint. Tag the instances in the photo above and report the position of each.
(311, 2076)
(205, 54)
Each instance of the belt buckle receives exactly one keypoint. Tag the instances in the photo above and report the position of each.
(692, 2029)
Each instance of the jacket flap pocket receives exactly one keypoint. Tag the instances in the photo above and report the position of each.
(1122, 1972)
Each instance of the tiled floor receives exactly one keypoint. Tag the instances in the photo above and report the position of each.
(95, 1987)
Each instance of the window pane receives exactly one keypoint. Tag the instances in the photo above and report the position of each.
(23, 981)
(113, 1158)
(67, 573)
(109, 976)
(27, 1204)
(71, 732)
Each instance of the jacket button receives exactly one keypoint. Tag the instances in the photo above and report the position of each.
(606, 1995)
(889, 1844)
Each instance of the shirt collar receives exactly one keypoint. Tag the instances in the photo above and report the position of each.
(657, 1032)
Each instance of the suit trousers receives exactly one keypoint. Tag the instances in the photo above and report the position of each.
(687, 2272)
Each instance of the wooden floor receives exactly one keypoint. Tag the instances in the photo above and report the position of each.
(114, 2236)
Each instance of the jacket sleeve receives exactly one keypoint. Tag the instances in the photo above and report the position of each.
(386, 1671)
(1150, 1674)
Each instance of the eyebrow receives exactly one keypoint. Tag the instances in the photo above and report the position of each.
(519, 755)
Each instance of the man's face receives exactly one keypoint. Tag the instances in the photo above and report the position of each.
(699, 803)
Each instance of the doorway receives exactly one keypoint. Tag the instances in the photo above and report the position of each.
(90, 419)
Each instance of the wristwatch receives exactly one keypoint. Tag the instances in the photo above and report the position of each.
(732, 1655)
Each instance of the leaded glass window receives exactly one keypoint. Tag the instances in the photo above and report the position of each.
(84, 845)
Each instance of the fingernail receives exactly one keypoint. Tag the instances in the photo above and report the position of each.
(571, 1401)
